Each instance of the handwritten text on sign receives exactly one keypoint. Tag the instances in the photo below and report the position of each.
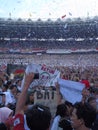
(47, 98)
(47, 75)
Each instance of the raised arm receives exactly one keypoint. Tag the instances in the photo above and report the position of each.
(59, 97)
(22, 98)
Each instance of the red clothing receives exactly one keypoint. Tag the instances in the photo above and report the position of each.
(86, 82)
(19, 122)
(9, 123)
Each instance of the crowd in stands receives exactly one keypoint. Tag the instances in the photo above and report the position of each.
(6, 46)
(54, 29)
(20, 35)
(82, 60)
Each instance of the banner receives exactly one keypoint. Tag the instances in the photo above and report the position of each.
(71, 90)
(47, 98)
(47, 75)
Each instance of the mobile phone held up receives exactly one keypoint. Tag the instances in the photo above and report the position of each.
(36, 75)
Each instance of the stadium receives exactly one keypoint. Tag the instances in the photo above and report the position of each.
(49, 40)
(49, 65)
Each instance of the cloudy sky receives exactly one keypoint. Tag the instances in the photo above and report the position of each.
(45, 9)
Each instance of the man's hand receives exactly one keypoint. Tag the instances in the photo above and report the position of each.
(28, 79)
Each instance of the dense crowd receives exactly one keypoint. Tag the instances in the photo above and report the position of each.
(18, 109)
(78, 28)
(6, 46)
(17, 104)
(19, 112)
(82, 60)
(77, 34)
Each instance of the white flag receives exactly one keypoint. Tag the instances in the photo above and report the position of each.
(71, 90)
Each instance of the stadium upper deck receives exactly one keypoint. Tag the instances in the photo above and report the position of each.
(49, 34)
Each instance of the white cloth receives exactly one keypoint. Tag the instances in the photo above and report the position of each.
(19, 88)
(9, 98)
(55, 124)
(25, 123)
(71, 90)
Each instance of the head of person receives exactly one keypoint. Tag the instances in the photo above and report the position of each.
(85, 92)
(4, 87)
(30, 98)
(38, 117)
(3, 126)
(13, 89)
(9, 83)
(64, 110)
(61, 110)
(2, 99)
(65, 124)
(18, 82)
(5, 114)
(18, 94)
(92, 101)
(83, 116)
(69, 106)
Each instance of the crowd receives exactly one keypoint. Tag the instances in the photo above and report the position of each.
(18, 109)
(19, 112)
(20, 35)
(18, 46)
(83, 60)
(49, 29)
(72, 67)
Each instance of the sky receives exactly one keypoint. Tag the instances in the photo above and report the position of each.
(44, 9)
